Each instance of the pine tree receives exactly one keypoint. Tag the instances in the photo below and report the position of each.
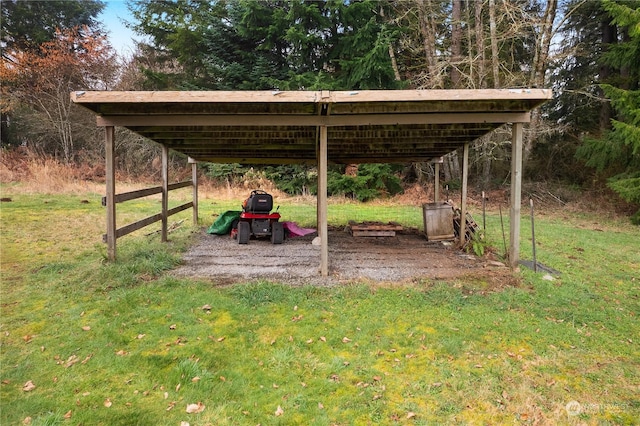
(618, 152)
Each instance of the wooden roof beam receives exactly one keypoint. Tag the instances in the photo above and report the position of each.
(295, 120)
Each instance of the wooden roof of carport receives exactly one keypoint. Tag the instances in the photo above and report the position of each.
(272, 127)
(320, 127)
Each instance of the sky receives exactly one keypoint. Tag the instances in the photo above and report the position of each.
(114, 13)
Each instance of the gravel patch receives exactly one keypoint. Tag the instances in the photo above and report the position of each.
(407, 256)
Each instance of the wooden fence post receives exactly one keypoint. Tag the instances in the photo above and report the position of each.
(165, 191)
(463, 200)
(110, 178)
(194, 180)
(322, 203)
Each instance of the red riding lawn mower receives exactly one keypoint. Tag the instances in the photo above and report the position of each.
(257, 220)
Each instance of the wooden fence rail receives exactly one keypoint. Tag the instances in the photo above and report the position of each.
(141, 193)
(111, 198)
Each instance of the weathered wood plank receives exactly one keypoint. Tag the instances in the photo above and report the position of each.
(310, 120)
(179, 208)
(141, 193)
(127, 229)
(373, 233)
(173, 97)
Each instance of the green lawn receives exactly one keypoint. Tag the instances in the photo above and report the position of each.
(127, 343)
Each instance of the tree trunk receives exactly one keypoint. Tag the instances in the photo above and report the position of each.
(481, 82)
(538, 71)
(609, 34)
(541, 55)
(428, 32)
(495, 57)
(392, 55)
(456, 43)
(451, 167)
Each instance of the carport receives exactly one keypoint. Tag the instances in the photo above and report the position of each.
(312, 127)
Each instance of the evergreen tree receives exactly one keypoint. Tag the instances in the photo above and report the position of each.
(26, 24)
(265, 44)
(617, 153)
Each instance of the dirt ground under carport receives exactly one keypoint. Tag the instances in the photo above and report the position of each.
(406, 257)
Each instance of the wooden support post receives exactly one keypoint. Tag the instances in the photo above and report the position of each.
(463, 196)
(194, 181)
(436, 183)
(516, 183)
(110, 171)
(323, 231)
(436, 180)
(165, 191)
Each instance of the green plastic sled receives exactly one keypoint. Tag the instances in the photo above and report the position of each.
(224, 222)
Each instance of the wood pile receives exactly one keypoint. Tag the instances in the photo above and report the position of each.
(374, 229)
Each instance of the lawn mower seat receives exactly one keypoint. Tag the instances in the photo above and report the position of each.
(258, 202)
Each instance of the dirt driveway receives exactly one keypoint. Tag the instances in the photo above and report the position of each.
(407, 256)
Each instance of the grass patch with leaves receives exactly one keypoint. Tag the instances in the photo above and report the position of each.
(127, 343)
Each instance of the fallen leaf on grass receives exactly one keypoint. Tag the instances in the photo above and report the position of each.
(172, 327)
(322, 338)
(121, 352)
(345, 340)
(86, 328)
(140, 336)
(68, 414)
(206, 307)
(28, 387)
(184, 424)
(195, 408)
(195, 379)
(411, 415)
(320, 406)
(108, 403)
(27, 420)
(71, 360)
(28, 338)
(279, 411)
